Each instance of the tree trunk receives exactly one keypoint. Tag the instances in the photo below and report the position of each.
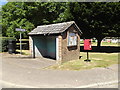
(99, 42)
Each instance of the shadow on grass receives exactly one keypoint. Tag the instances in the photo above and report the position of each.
(102, 49)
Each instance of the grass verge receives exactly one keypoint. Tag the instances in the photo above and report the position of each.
(97, 60)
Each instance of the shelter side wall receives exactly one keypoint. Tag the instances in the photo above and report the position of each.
(31, 45)
(59, 48)
(70, 52)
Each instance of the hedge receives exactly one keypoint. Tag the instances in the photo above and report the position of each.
(4, 43)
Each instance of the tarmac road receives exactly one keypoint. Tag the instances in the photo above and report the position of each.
(27, 72)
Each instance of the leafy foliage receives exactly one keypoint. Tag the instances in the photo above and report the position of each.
(28, 15)
(4, 43)
(95, 19)
(14, 16)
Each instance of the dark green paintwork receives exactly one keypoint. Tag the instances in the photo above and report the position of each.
(45, 46)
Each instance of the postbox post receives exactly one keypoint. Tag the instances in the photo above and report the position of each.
(87, 56)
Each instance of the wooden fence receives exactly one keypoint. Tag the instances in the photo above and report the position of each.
(25, 45)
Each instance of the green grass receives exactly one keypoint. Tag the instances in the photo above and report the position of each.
(102, 44)
(97, 60)
(105, 44)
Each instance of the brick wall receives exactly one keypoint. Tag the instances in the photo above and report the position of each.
(70, 52)
(60, 47)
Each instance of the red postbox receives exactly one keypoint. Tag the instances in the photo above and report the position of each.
(87, 44)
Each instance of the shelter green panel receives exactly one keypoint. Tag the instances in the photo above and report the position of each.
(51, 46)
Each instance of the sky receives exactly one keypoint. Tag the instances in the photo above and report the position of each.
(3, 2)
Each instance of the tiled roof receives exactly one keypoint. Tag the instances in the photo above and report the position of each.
(53, 28)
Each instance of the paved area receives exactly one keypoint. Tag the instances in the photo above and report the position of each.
(25, 61)
(19, 72)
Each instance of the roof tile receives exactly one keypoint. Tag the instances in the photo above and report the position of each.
(52, 28)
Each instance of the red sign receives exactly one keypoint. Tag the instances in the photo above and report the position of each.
(87, 44)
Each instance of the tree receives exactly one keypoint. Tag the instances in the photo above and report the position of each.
(95, 19)
(0, 20)
(14, 16)
(29, 15)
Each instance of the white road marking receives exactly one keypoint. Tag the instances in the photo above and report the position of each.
(98, 84)
(85, 86)
(15, 85)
